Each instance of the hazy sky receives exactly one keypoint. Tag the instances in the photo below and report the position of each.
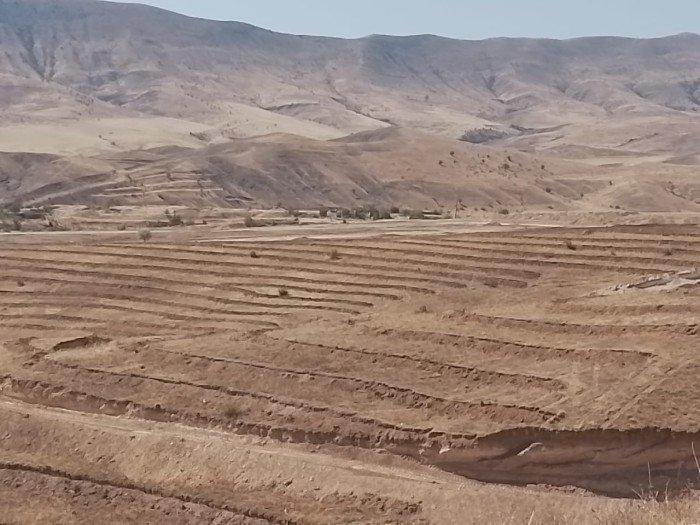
(467, 19)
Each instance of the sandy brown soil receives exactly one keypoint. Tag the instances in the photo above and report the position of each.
(372, 379)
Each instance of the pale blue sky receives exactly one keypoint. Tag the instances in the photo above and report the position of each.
(466, 19)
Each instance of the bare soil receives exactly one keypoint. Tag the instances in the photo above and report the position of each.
(348, 379)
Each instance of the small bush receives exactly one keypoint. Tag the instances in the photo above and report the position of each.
(232, 411)
(395, 210)
(548, 190)
(254, 255)
(504, 211)
(416, 215)
(335, 256)
(283, 292)
(121, 227)
(668, 252)
(571, 246)
(360, 213)
(20, 283)
(323, 213)
(145, 234)
(422, 310)
(249, 222)
(175, 220)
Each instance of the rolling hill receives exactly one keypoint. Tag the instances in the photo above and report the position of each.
(227, 114)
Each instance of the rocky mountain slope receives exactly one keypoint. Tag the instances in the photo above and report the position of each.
(89, 60)
(246, 116)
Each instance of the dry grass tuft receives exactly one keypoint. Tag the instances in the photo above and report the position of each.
(232, 411)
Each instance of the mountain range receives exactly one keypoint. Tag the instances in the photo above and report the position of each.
(87, 83)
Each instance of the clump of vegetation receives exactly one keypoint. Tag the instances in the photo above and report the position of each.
(395, 210)
(482, 136)
(145, 234)
(360, 214)
(254, 255)
(10, 217)
(334, 256)
(548, 189)
(283, 292)
(121, 227)
(20, 283)
(423, 310)
(232, 411)
(571, 246)
(504, 211)
(173, 218)
(323, 213)
(668, 252)
(249, 222)
(414, 214)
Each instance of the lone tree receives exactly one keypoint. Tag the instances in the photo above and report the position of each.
(145, 235)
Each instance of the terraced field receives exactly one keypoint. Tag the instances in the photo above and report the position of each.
(340, 380)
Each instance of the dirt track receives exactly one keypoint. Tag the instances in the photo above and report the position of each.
(337, 373)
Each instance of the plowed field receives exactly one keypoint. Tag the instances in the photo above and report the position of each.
(369, 380)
